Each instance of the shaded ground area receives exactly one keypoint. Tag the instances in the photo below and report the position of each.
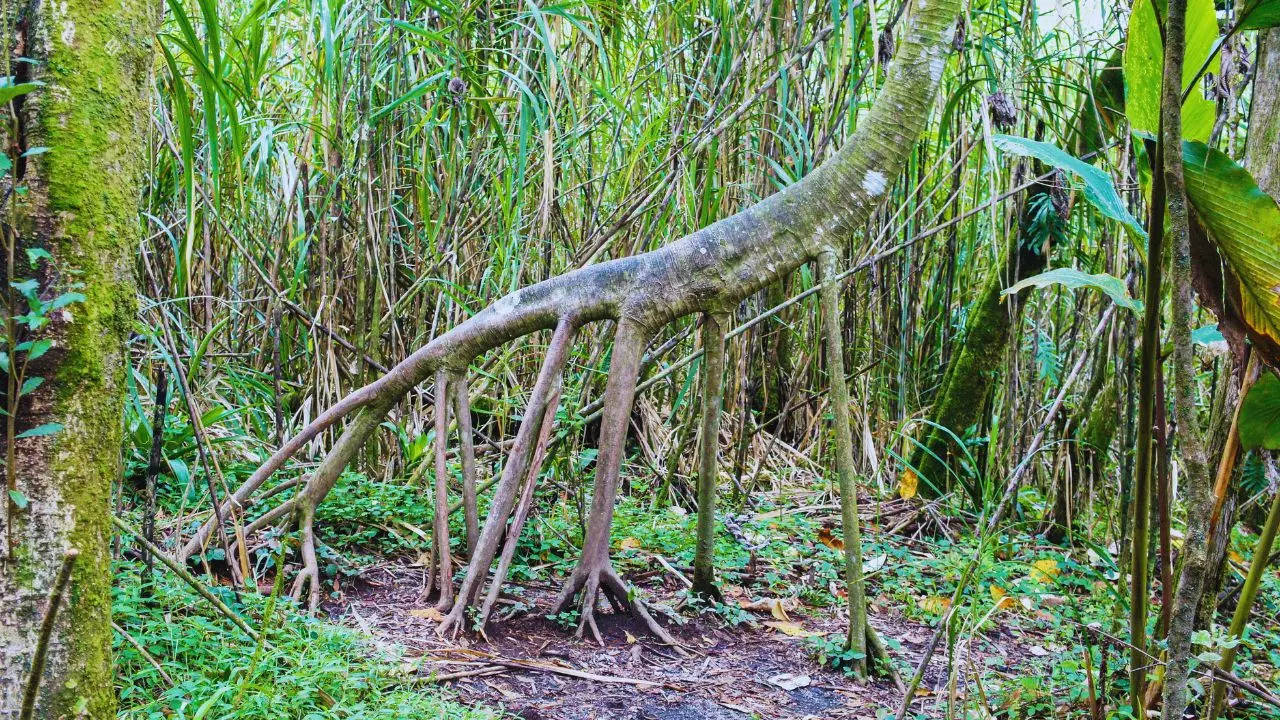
(532, 668)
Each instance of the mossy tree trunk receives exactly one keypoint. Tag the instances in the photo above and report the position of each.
(971, 376)
(81, 207)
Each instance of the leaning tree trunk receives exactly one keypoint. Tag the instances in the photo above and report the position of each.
(971, 375)
(708, 271)
(81, 208)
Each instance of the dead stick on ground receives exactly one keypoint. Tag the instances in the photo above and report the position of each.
(557, 670)
(143, 652)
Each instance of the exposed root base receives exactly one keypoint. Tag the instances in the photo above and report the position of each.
(588, 582)
(308, 577)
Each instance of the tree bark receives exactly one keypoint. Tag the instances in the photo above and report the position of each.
(81, 206)
(713, 329)
(1190, 441)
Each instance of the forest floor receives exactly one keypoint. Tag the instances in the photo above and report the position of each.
(761, 667)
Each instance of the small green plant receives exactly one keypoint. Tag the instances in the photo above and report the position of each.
(829, 651)
(567, 620)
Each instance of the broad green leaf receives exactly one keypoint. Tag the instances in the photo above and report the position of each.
(19, 500)
(1143, 67)
(1074, 280)
(30, 384)
(1260, 14)
(1207, 335)
(38, 348)
(1244, 224)
(9, 91)
(27, 287)
(36, 254)
(1098, 188)
(1260, 415)
(41, 430)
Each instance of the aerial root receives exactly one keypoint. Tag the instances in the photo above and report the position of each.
(308, 577)
(541, 407)
(523, 507)
(586, 585)
(444, 560)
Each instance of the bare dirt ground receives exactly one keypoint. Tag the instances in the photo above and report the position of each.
(533, 669)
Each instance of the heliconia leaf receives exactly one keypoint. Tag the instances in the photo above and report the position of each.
(1243, 222)
(1143, 67)
(1074, 280)
(41, 430)
(1207, 335)
(1260, 15)
(1260, 415)
(1098, 188)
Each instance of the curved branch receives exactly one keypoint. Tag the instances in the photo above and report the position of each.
(709, 270)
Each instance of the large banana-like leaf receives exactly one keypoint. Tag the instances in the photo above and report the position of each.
(1143, 67)
(1244, 224)
(1260, 15)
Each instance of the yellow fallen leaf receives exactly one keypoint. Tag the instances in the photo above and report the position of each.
(1001, 596)
(630, 543)
(427, 614)
(1235, 557)
(826, 537)
(907, 484)
(777, 607)
(791, 629)
(936, 604)
(1044, 571)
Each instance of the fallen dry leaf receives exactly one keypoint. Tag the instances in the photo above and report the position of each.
(936, 604)
(787, 681)
(907, 484)
(826, 537)
(629, 543)
(777, 607)
(791, 629)
(1044, 571)
(874, 563)
(1001, 596)
(427, 614)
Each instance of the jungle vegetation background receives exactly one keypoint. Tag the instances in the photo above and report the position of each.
(332, 184)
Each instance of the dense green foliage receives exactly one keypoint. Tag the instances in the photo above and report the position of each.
(333, 183)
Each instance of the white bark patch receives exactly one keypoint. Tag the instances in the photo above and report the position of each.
(936, 66)
(874, 183)
(506, 305)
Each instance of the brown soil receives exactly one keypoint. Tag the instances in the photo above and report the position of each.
(726, 677)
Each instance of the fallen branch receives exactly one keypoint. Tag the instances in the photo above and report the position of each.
(555, 669)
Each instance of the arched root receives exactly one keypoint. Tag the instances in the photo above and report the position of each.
(308, 578)
(444, 560)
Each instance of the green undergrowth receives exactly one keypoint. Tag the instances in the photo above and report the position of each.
(312, 669)
(1037, 615)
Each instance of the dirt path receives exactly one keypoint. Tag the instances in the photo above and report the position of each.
(752, 671)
